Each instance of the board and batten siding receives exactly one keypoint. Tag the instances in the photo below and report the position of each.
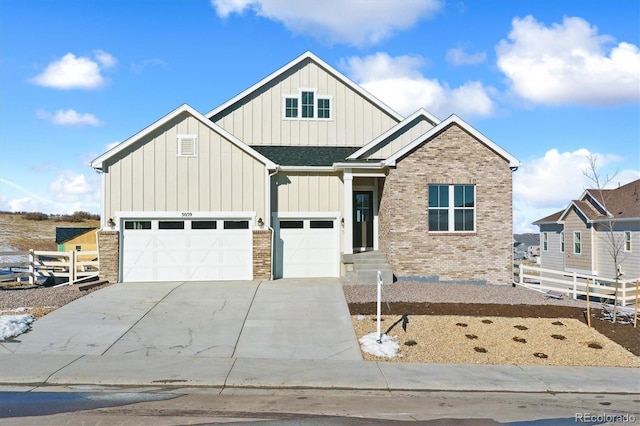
(259, 118)
(402, 138)
(307, 192)
(150, 176)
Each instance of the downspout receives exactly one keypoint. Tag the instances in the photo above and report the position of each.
(268, 214)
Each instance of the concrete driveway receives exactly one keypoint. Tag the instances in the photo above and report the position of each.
(284, 319)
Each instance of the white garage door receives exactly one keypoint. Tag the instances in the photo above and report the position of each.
(308, 248)
(186, 250)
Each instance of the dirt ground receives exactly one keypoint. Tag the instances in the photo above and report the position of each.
(499, 333)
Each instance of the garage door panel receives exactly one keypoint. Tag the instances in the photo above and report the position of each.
(182, 253)
(306, 250)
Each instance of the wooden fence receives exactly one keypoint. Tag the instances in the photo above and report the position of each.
(72, 266)
(575, 284)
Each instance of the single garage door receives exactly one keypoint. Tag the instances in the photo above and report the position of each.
(186, 250)
(308, 248)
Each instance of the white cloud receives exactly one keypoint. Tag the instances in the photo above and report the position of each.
(458, 56)
(355, 22)
(569, 63)
(68, 192)
(71, 187)
(72, 72)
(543, 186)
(140, 67)
(398, 82)
(69, 117)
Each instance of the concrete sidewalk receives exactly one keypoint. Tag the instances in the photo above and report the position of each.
(28, 371)
(247, 334)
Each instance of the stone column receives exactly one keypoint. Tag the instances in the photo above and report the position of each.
(109, 255)
(262, 254)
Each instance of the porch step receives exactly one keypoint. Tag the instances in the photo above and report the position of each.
(366, 266)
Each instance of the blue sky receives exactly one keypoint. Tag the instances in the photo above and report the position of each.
(549, 81)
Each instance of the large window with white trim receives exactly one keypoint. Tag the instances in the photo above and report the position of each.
(452, 208)
(307, 104)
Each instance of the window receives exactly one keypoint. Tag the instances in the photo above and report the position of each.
(577, 242)
(445, 216)
(187, 145)
(291, 107)
(236, 224)
(562, 242)
(315, 224)
(307, 105)
(137, 224)
(545, 241)
(324, 108)
(627, 240)
(171, 224)
(78, 248)
(291, 224)
(203, 224)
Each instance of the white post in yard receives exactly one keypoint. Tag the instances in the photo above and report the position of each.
(378, 307)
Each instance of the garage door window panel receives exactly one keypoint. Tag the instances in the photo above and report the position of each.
(204, 224)
(236, 224)
(137, 224)
(171, 224)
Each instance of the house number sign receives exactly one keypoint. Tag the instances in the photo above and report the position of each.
(187, 214)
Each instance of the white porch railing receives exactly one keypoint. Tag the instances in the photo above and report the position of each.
(574, 284)
(33, 265)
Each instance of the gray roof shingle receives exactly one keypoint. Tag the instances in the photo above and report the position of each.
(305, 155)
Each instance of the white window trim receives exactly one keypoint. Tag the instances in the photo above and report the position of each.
(579, 233)
(316, 97)
(627, 241)
(451, 210)
(545, 241)
(562, 242)
(180, 138)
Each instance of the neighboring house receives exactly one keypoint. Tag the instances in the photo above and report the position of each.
(526, 246)
(295, 174)
(582, 237)
(76, 239)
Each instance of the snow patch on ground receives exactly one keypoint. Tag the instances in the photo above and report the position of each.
(14, 325)
(387, 347)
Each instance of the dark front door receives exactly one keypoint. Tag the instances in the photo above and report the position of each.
(362, 219)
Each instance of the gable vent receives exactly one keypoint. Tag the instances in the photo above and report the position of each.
(187, 145)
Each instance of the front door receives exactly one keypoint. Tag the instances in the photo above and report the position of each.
(362, 220)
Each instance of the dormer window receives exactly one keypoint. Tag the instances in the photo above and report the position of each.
(307, 105)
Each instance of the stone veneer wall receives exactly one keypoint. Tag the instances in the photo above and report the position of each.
(109, 255)
(262, 254)
(452, 157)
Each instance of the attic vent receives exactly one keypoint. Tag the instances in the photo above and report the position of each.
(187, 145)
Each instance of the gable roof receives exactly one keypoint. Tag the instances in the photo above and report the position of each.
(66, 234)
(306, 56)
(551, 219)
(622, 203)
(371, 146)
(184, 108)
(453, 119)
(305, 156)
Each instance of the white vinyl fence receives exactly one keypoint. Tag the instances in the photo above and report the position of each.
(574, 284)
(32, 265)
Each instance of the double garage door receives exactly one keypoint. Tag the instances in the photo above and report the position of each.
(307, 247)
(186, 249)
